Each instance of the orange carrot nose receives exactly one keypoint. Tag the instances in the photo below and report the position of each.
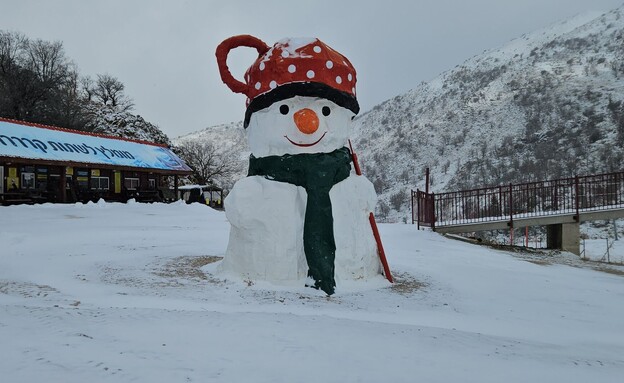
(307, 121)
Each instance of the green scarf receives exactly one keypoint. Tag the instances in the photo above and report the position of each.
(317, 173)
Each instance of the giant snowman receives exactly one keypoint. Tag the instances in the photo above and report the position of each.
(302, 214)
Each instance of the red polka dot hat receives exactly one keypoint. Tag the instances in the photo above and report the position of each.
(292, 67)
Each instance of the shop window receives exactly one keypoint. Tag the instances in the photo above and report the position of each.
(82, 182)
(42, 180)
(131, 183)
(54, 181)
(82, 179)
(100, 183)
(28, 180)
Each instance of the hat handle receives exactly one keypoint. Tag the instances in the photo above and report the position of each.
(224, 49)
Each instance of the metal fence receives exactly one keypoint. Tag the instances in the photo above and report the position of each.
(532, 199)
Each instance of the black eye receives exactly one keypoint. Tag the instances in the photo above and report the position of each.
(326, 111)
(284, 109)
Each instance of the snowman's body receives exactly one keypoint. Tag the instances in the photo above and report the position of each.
(267, 216)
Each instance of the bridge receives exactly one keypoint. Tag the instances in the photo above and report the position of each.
(559, 205)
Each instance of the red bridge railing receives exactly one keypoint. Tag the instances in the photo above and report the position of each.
(532, 199)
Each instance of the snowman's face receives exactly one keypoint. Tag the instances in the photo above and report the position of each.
(299, 125)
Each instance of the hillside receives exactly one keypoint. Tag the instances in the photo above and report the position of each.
(546, 105)
(119, 123)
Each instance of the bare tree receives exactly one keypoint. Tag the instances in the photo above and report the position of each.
(38, 83)
(33, 79)
(47, 60)
(108, 90)
(206, 160)
(87, 87)
(12, 47)
(17, 84)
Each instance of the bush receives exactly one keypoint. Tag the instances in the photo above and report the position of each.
(396, 200)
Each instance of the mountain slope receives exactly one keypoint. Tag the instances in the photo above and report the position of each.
(546, 105)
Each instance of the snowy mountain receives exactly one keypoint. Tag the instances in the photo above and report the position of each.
(546, 105)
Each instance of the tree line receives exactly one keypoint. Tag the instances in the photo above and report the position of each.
(39, 83)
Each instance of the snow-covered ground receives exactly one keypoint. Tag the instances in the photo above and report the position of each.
(116, 293)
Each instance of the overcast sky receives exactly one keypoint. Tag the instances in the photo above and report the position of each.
(163, 51)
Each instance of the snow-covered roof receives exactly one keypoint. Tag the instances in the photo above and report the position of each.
(39, 142)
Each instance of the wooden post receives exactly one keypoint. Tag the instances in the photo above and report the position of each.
(427, 180)
(62, 193)
(175, 186)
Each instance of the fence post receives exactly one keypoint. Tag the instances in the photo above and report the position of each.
(510, 205)
(500, 201)
(555, 196)
(618, 189)
(511, 226)
(432, 214)
(478, 206)
(577, 218)
(417, 207)
(412, 197)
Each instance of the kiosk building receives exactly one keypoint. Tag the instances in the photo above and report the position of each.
(40, 163)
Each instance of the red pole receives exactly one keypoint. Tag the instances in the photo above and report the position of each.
(371, 218)
(380, 249)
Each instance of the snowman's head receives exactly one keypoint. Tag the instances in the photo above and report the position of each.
(299, 125)
(300, 95)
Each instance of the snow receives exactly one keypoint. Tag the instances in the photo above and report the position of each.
(292, 45)
(110, 292)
